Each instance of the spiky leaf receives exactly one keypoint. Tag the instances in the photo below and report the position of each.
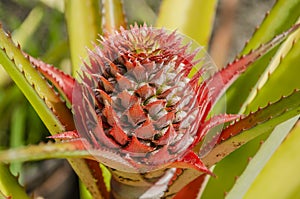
(280, 74)
(42, 97)
(228, 75)
(283, 15)
(47, 103)
(9, 185)
(260, 159)
(253, 128)
(253, 125)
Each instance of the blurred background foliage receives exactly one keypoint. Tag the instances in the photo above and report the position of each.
(39, 26)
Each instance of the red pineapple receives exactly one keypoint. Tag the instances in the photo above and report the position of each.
(136, 102)
(136, 109)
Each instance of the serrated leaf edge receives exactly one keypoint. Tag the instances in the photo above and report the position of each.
(284, 49)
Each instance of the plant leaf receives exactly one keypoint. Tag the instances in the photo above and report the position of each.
(83, 22)
(253, 125)
(41, 96)
(29, 26)
(113, 17)
(2, 196)
(9, 185)
(70, 150)
(63, 82)
(185, 15)
(181, 178)
(260, 159)
(280, 74)
(282, 16)
(234, 70)
(191, 190)
(17, 133)
(44, 151)
(257, 133)
(145, 13)
(282, 171)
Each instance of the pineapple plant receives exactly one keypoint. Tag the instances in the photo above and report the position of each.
(142, 116)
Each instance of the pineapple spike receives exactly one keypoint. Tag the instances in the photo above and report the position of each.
(213, 122)
(63, 82)
(195, 79)
(68, 135)
(254, 118)
(191, 160)
(233, 70)
(256, 29)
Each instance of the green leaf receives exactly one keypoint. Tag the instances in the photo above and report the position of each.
(193, 18)
(278, 78)
(84, 193)
(145, 13)
(17, 134)
(2, 195)
(23, 33)
(44, 100)
(281, 174)
(229, 169)
(281, 74)
(253, 125)
(9, 185)
(83, 22)
(260, 159)
(282, 16)
(29, 26)
(36, 89)
(113, 16)
(106, 176)
(43, 151)
(57, 150)
(55, 4)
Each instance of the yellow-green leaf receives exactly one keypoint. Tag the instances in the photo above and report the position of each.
(83, 22)
(280, 177)
(193, 18)
(113, 17)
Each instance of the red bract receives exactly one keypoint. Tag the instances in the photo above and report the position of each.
(135, 101)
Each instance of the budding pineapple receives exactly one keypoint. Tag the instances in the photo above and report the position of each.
(135, 105)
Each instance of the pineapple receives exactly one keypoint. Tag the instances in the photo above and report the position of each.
(136, 101)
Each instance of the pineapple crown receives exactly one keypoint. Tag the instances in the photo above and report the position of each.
(135, 102)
